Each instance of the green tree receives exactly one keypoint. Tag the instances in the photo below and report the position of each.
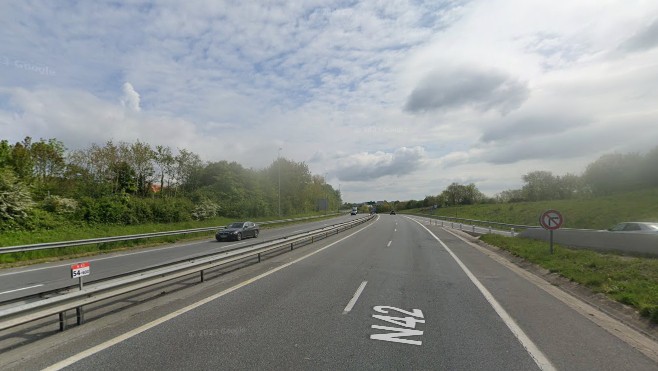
(540, 185)
(15, 199)
(650, 168)
(187, 166)
(48, 159)
(454, 194)
(49, 163)
(21, 160)
(5, 154)
(164, 160)
(141, 157)
(472, 195)
(614, 173)
(510, 195)
(570, 186)
(124, 178)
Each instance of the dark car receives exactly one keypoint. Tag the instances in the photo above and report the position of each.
(392, 212)
(237, 231)
(636, 227)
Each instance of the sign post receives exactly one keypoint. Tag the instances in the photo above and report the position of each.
(551, 220)
(79, 270)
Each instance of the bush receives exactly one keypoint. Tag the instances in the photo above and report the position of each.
(651, 312)
(15, 200)
(105, 210)
(141, 211)
(234, 210)
(59, 205)
(172, 210)
(206, 209)
(39, 219)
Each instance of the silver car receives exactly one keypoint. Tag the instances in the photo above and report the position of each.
(636, 227)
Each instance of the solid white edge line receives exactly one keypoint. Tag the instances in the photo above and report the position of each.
(91, 351)
(21, 289)
(623, 332)
(537, 355)
(352, 301)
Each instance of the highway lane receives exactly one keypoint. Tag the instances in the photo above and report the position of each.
(389, 297)
(569, 337)
(19, 282)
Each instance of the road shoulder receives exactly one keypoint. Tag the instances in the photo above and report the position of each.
(618, 319)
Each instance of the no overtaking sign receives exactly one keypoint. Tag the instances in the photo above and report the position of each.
(551, 220)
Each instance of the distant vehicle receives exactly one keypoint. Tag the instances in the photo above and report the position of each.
(636, 227)
(392, 212)
(237, 231)
(354, 211)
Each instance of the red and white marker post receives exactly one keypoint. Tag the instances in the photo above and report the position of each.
(78, 270)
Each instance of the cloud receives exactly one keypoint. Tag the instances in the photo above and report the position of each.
(342, 84)
(644, 39)
(130, 98)
(617, 134)
(556, 51)
(475, 88)
(534, 124)
(79, 119)
(371, 166)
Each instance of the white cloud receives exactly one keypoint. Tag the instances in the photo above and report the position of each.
(79, 119)
(644, 39)
(493, 89)
(130, 97)
(466, 87)
(366, 166)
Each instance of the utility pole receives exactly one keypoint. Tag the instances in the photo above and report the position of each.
(326, 197)
(278, 160)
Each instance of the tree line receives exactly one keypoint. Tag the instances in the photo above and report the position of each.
(609, 174)
(131, 183)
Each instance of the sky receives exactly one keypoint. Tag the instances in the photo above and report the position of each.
(389, 99)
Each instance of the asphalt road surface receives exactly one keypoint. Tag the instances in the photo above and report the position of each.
(20, 282)
(392, 294)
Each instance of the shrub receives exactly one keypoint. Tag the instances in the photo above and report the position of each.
(106, 210)
(59, 205)
(206, 209)
(39, 219)
(15, 200)
(172, 210)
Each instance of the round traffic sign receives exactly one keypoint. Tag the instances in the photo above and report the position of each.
(551, 220)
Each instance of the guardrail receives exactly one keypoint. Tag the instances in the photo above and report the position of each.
(636, 244)
(96, 291)
(628, 243)
(91, 241)
(484, 224)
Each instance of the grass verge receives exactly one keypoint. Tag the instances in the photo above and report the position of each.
(592, 213)
(629, 280)
(84, 232)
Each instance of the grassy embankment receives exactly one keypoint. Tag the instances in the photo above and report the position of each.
(629, 280)
(595, 213)
(81, 231)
